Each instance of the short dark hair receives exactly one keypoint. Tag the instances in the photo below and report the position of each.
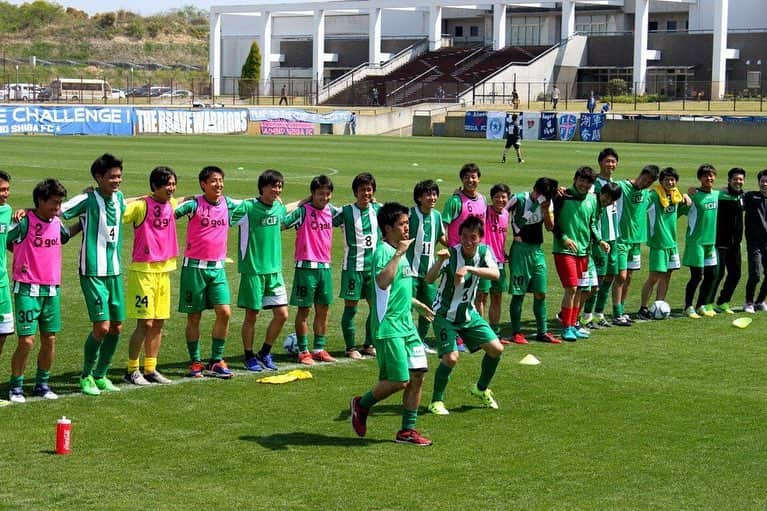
(47, 189)
(207, 171)
(736, 171)
(389, 213)
(604, 153)
(473, 223)
(651, 170)
(160, 176)
(103, 163)
(668, 172)
(546, 187)
(586, 173)
(500, 187)
(761, 174)
(514, 117)
(704, 169)
(320, 182)
(365, 178)
(423, 187)
(4, 176)
(269, 177)
(612, 189)
(469, 168)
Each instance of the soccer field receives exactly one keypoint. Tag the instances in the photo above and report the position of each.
(662, 415)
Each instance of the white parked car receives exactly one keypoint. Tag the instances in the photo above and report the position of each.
(178, 93)
(117, 94)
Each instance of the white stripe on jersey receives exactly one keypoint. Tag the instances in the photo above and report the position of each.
(382, 301)
(244, 225)
(418, 250)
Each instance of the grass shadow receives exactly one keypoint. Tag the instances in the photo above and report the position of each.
(281, 441)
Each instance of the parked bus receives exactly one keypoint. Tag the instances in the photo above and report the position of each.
(80, 89)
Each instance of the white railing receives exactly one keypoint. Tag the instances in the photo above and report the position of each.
(371, 69)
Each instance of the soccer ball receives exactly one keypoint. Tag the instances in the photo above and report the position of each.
(290, 345)
(660, 310)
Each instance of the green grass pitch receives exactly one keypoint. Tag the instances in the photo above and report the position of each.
(664, 415)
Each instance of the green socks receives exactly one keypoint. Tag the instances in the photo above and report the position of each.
(347, 326)
(106, 354)
(408, 418)
(90, 354)
(515, 313)
(541, 318)
(319, 342)
(367, 401)
(441, 379)
(489, 365)
(193, 348)
(217, 348)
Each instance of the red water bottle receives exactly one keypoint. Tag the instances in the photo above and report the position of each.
(63, 436)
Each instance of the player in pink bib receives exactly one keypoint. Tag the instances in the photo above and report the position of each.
(496, 229)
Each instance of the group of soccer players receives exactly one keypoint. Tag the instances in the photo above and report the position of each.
(391, 259)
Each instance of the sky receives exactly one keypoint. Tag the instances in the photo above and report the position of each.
(143, 7)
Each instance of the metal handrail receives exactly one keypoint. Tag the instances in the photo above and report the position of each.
(415, 79)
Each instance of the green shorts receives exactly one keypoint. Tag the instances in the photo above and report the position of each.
(355, 285)
(32, 311)
(202, 288)
(104, 297)
(494, 286)
(699, 256)
(312, 286)
(6, 310)
(397, 356)
(474, 333)
(629, 256)
(605, 263)
(527, 269)
(664, 259)
(262, 291)
(424, 292)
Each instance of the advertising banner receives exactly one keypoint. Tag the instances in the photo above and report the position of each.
(475, 122)
(280, 127)
(496, 124)
(567, 124)
(221, 121)
(591, 127)
(270, 114)
(66, 120)
(548, 126)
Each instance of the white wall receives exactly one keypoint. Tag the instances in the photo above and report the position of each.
(743, 14)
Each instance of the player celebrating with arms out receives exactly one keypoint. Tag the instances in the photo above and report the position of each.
(401, 357)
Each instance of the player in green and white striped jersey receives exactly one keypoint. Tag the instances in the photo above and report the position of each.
(100, 212)
(426, 230)
(361, 236)
(6, 304)
(460, 267)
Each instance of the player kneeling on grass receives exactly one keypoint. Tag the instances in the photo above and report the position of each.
(460, 268)
(662, 215)
(37, 240)
(400, 354)
(313, 279)
(155, 248)
(530, 211)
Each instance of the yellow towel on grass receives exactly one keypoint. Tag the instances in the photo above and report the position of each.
(294, 375)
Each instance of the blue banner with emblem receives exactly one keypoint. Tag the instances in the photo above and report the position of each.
(548, 126)
(496, 125)
(475, 122)
(67, 120)
(567, 123)
(591, 127)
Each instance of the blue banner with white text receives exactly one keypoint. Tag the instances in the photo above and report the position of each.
(67, 120)
(591, 127)
(475, 122)
(548, 126)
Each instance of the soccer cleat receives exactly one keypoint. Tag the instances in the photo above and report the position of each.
(353, 353)
(548, 337)
(521, 160)
(519, 339)
(621, 321)
(749, 307)
(582, 333)
(253, 365)
(761, 306)
(196, 370)
(88, 386)
(703, 311)
(604, 323)
(412, 437)
(104, 384)
(628, 318)
(16, 395)
(644, 313)
(305, 358)
(322, 356)
(690, 312)
(136, 378)
(359, 416)
(369, 351)
(438, 408)
(568, 334)
(44, 391)
(158, 378)
(724, 308)
(486, 396)
(219, 369)
(591, 325)
(503, 159)
(266, 361)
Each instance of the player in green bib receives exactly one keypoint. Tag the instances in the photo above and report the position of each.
(700, 243)
(100, 212)
(360, 226)
(459, 269)
(6, 305)
(662, 215)
(400, 355)
(632, 227)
